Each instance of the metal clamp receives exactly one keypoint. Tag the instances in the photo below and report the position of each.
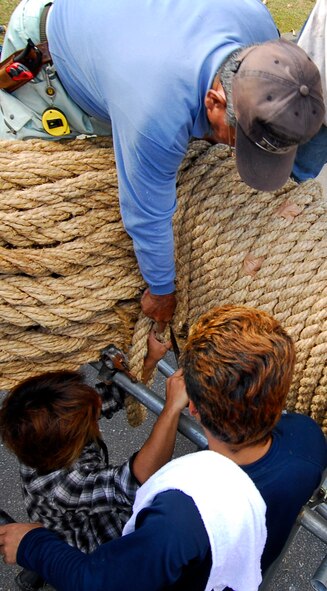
(319, 496)
(113, 360)
(113, 368)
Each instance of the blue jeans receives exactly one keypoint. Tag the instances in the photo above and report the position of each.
(311, 157)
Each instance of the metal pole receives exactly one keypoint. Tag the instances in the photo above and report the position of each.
(165, 368)
(322, 510)
(155, 403)
(319, 579)
(314, 523)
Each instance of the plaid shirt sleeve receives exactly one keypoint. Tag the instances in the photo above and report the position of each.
(113, 399)
(87, 504)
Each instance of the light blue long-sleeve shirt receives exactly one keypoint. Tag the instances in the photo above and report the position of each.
(147, 65)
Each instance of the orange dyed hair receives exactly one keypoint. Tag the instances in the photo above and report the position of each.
(46, 420)
(238, 366)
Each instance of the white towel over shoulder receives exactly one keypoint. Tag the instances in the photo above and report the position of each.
(231, 508)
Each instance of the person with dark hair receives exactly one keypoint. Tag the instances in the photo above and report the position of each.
(150, 75)
(51, 423)
(190, 527)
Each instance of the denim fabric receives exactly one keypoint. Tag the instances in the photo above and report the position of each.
(311, 157)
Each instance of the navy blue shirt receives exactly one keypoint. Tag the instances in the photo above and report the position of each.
(287, 476)
(170, 548)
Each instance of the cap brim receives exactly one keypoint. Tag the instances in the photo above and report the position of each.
(264, 171)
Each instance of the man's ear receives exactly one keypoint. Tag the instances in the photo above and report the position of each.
(193, 410)
(211, 100)
(215, 99)
(215, 103)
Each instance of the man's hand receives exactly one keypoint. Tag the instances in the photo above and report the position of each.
(156, 351)
(11, 535)
(159, 308)
(176, 395)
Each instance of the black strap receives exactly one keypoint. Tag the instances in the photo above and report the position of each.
(43, 22)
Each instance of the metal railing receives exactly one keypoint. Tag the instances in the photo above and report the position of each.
(186, 426)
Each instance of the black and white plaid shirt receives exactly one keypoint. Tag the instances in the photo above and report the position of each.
(87, 504)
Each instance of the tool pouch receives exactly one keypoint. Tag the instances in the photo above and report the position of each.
(32, 57)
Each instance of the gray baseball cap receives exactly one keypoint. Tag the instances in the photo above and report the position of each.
(278, 103)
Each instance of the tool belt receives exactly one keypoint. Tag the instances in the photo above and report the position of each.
(23, 65)
(42, 109)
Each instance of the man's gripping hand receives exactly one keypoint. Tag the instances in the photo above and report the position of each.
(159, 308)
(176, 395)
(11, 535)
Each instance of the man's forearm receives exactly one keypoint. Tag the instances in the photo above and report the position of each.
(65, 567)
(154, 251)
(58, 563)
(159, 447)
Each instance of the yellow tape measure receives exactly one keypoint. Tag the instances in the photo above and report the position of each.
(55, 122)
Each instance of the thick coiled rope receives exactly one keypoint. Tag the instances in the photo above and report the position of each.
(70, 284)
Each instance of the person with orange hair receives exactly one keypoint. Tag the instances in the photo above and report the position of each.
(197, 523)
(238, 366)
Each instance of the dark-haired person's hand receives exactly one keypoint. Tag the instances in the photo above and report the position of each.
(11, 535)
(156, 351)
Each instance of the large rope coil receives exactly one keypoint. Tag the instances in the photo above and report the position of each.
(70, 284)
(257, 249)
(69, 281)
